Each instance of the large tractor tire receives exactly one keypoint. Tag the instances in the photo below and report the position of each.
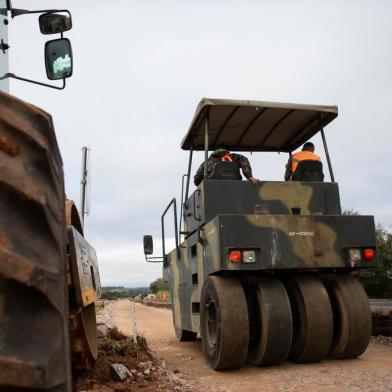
(312, 318)
(224, 322)
(273, 323)
(352, 316)
(34, 342)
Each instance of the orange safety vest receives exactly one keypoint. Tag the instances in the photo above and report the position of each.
(226, 158)
(302, 156)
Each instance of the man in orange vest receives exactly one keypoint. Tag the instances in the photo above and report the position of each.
(307, 154)
(223, 155)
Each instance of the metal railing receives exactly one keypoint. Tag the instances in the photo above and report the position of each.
(174, 204)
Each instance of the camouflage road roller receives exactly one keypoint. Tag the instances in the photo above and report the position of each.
(262, 272)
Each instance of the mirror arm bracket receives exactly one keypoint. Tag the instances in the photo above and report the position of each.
(157, 259)
(13, 76)
(18, 11)
(4, 46)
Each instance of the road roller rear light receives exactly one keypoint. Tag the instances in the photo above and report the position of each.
(235, 256)
(354, 256)
(368, 254)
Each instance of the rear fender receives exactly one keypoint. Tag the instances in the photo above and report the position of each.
(83, 266)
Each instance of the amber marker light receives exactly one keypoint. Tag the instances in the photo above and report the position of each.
(235, 256)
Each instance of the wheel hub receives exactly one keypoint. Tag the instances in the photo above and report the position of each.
(211, 324)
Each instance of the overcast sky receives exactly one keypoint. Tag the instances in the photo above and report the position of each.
(140, 68)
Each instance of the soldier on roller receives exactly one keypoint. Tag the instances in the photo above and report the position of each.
(307, 154)
(223, 155)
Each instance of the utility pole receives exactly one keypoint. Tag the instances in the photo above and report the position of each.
(83, 184)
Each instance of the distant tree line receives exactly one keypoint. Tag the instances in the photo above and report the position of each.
(159, 284)
(111, 292)
(110, 288)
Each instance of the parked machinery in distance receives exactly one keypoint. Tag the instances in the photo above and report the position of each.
(263, 273)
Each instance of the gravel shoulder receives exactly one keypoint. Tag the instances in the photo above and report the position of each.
(370, 372)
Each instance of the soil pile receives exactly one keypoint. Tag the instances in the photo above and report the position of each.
(145, 372)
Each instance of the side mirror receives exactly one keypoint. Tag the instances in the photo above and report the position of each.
(148, 245)
(58, 59)
(51, 23)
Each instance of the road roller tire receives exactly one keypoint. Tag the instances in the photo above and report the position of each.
(273, 323)
(185, 336)
(224, 323)
(34, 340)
(352, 316)
(312, 318)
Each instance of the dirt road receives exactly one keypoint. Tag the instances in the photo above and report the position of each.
(371, 372)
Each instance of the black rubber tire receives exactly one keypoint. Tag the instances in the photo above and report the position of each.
(224, 323)
(352, 316)
(185, 336)
(274, 323)
(312, 318)
(33, 292)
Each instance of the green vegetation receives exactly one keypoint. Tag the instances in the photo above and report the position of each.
(159, 284)
(116, 292)
(378, 281)
(99, 307)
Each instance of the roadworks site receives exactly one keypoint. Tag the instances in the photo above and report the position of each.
(139, 368)
(126, 365)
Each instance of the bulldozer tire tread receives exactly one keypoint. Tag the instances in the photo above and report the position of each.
(224, 322)
(33, 293)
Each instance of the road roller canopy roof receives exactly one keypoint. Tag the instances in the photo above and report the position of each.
(255, 125)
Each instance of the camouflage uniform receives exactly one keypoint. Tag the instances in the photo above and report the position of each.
(289, 169)
(216, 157)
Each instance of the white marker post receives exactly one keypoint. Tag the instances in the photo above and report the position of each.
(133, 317)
